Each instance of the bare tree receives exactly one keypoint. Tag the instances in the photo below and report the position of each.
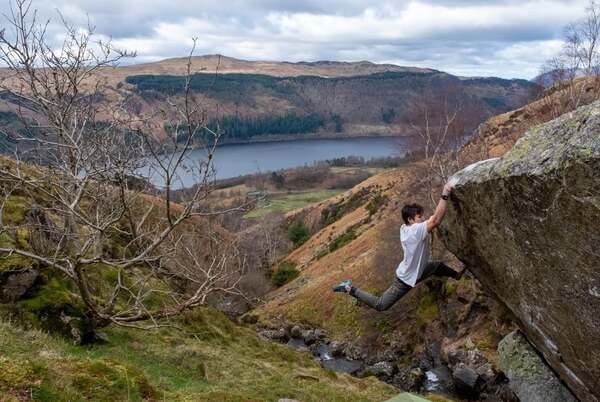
(92, 156)
(441, 122)
(574, 73)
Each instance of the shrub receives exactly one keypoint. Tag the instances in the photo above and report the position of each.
(287, 271)
(298, 233)
(336, 211)
(376, 203)
(342, 240)
(322, 253)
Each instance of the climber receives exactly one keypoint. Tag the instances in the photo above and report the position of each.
(415, 266)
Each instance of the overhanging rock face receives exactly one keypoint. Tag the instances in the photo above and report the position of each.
(528, 226)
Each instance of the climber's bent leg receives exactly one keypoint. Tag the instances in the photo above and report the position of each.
(437, 268)
(386, 300)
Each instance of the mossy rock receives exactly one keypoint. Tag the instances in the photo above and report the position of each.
(53, 307)
(15, 284)
(14, 262)
(530, 377)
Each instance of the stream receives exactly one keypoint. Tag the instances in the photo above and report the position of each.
(436, 380)
(326, 357)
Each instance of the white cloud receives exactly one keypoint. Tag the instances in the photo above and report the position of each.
(422, 21)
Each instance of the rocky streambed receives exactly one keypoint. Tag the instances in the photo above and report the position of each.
(455, 373)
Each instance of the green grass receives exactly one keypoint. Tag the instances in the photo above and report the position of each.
(289, 202)
(207, 358)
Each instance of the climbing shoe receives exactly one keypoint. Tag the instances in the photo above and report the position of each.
(341, 287)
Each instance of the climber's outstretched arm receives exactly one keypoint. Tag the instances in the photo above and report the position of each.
(435, 219)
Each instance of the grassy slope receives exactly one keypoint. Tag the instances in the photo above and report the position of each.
(208, 359)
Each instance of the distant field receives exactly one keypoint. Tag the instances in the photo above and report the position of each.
(288, 202)
(240, 189)
(354, 170)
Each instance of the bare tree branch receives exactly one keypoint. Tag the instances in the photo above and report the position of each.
(91, 187)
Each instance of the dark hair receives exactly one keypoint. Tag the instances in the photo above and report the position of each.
(409, 211)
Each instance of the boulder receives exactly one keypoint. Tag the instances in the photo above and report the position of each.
(529, 376)
(409, 379)
(473, 359)
(278, 335)
(337, 348)
(14, 284)
(526, 225)
(320, 334)
(465, 380)
(309, 336)
(383, 370)
(296, 332)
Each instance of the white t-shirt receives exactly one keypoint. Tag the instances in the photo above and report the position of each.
(416, 252)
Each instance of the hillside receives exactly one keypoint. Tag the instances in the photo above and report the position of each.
(373, 234)
(250, 101)
(51, 350)
(459, 317)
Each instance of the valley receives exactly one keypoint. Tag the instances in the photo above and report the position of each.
(211, 228)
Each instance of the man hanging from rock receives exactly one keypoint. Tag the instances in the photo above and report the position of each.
(415, 267)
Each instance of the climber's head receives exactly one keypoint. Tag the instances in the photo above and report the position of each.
(412, 213)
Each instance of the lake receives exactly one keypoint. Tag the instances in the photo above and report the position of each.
(243, 159)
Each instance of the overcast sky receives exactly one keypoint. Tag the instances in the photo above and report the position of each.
(505, 38)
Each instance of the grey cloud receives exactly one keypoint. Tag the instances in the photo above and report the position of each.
(239, 23)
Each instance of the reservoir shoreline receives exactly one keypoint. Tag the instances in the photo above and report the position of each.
(233, 160)
(308, 136)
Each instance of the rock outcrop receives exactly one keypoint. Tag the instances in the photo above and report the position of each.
(14, 284)
(530, 378)
(528, 226)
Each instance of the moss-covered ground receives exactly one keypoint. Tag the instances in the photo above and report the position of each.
(203, 357)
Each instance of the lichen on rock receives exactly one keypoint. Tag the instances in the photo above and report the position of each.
(530, 378)
(526, 225)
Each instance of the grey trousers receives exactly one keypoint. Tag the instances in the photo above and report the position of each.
(398, 288)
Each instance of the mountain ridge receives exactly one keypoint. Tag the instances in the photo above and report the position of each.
(255, 99)
(224, 64)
